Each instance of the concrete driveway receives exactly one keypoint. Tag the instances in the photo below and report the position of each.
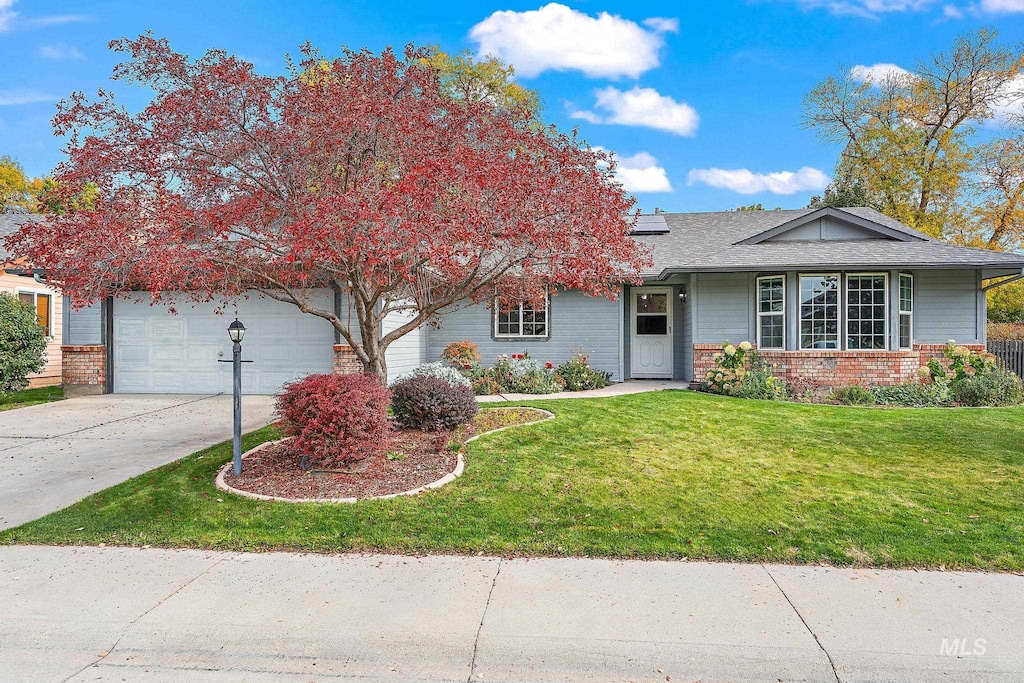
(55, 454)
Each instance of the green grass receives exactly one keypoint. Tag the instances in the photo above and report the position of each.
(668, 474)
(31, 397)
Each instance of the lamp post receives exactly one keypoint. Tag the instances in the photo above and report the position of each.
(236, 330)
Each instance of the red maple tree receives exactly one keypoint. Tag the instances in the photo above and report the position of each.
(361, 174)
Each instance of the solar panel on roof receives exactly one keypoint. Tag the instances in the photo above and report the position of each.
(651, 224)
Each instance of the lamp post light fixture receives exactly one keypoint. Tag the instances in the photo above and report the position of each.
(236, 331)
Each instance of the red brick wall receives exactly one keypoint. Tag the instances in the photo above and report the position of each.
(826, 369)
(345, 360)
(84, 369)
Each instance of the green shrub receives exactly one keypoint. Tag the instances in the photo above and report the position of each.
(999, 387)
(22, 344)
(962, 363)
(913, 393)
(439, 370)
(577, 375)
(759, 383)
(520, 374)
(853, 395)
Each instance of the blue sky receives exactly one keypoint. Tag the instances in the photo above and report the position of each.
(700, 100)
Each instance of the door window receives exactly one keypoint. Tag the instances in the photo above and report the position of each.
(652, 314)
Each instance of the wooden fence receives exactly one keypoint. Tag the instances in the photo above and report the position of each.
(1010, 352)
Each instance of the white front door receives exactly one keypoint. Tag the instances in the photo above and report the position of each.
(651, 332)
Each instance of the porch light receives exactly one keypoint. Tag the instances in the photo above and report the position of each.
(682, 295)
(236, 331)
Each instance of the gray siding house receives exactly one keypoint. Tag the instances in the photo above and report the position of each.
(832, 296)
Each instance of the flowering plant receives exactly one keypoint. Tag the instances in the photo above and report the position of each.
(962, 362)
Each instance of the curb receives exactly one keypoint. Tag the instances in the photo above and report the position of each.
(460, 466)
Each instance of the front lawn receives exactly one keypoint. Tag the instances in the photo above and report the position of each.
(669, 474)
(31, 397)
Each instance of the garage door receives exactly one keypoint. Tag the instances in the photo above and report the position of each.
(156, 351)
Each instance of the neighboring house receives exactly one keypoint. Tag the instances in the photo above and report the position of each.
(832, 296)
(46, 300)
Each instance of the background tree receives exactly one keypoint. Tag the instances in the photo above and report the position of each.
(22, 343)
(362, 174)
(486, 80)
(18, 192)
(908, 136)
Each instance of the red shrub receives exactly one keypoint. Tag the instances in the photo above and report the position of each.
(336, 418)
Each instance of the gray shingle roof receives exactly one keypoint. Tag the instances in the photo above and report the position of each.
(708, 242)
(10, 223)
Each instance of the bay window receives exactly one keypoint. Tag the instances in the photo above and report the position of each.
(848, 311)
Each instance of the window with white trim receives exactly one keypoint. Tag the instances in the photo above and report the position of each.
(525, 320)
(771, 312)
(42, 304)
(866, 314)
(906, 311)
(819, 311)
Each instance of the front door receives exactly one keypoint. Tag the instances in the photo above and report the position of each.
(651, 333)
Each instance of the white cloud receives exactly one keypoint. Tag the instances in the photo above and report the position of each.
(6, 14)
(869, 9)
(1012, 101)
(60, 52)
(558, 38)
(743, 181)
(1002, 6)
(641, 173)
(952, 12)
(641, 107)
(57, 19)
(662, 25)
(878, 73)
(13, 97)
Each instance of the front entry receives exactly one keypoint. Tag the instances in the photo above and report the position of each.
(651, 333)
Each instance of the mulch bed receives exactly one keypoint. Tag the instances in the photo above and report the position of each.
(415, 459)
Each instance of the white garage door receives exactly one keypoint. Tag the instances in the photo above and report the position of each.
(156, 351)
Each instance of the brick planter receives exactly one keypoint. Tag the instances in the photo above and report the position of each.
(345, 360)
(825, 369)
(84, 370)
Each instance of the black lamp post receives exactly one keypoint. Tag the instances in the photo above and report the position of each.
(236, 331)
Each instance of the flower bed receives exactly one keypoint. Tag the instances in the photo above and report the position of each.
(518, 373)
(416, 460)
(961, 377)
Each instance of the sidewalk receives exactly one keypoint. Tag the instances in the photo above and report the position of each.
(632, 386)
(87, 614)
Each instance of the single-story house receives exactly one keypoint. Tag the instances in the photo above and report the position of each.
(832, 296)
(48, 302)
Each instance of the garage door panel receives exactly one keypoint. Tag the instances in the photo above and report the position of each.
(132, 382)
(169, 331)
(167, 354)
(171, 381)
(156, 351)
(129, 353)
(130, 328)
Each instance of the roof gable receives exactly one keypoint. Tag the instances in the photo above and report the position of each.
(834, 224)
